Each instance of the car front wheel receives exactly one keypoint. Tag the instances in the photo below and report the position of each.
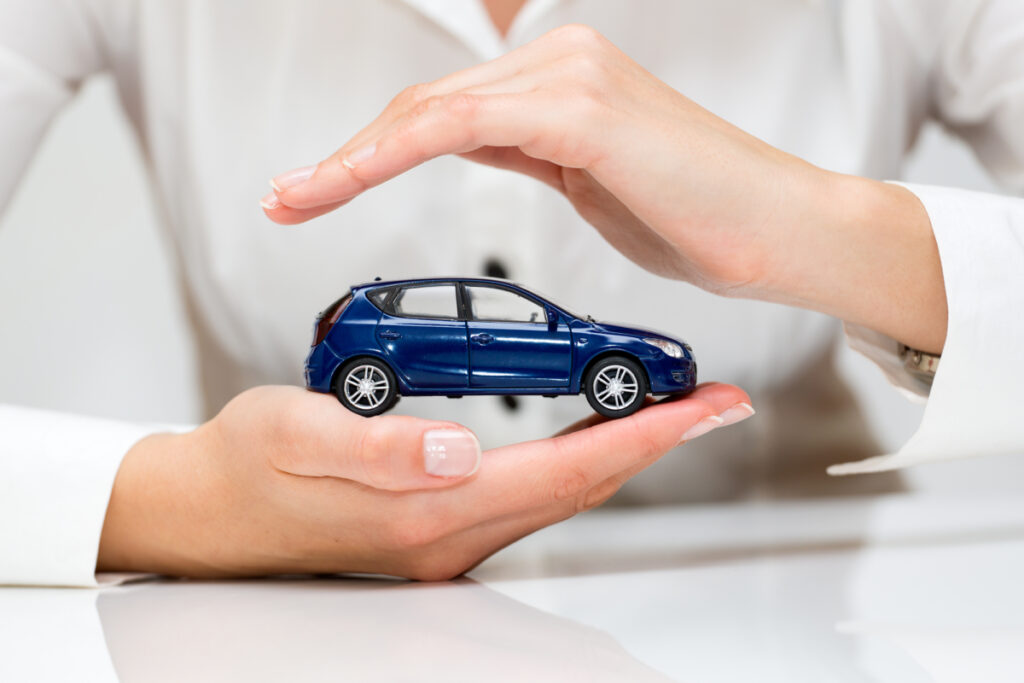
(616, 386)
(366, 386)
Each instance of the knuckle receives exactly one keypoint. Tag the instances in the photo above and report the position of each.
(586, 67)
(375, 457)
(410, 95)
(424, 106)
(645, 444)
(589, 101)
(598, 495)
(579, 35)
(463, 106)
(570, 484)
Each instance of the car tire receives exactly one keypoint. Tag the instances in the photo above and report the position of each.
(366, 386)
(626, 381)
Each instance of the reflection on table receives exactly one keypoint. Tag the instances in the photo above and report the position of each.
(890, 589)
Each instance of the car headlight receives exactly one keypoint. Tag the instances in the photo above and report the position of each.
(671, 349)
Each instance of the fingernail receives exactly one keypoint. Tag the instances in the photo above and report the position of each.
(450, 453)
(270, 202)
(359, 156)
(701, 428)
(738, 413)
(292, 178)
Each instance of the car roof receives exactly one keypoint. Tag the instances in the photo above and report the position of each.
(422, 280)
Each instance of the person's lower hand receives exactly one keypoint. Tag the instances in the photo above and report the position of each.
(675, 188)
(288, 481)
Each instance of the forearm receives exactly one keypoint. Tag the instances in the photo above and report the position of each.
(863, 251)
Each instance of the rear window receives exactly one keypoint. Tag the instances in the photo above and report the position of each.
(328, 317)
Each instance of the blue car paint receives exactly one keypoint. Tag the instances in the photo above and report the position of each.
(514, 355)
(425, 352)
(432, 357)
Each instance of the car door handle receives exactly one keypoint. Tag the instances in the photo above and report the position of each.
(390, 334)
(483, 338)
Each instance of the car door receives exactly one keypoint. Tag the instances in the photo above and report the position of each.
(512, 344)
(422, 336)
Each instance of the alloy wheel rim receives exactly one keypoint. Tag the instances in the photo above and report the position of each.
(366, 387)
(616, 387)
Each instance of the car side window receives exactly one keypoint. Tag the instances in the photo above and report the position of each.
(497, 304)
(430, 301)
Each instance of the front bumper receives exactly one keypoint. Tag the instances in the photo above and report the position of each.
(672, 375)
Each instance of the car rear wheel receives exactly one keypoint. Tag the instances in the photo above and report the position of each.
(366, 386)
(616, 386)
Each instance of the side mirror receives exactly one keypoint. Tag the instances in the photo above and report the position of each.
(552, 320)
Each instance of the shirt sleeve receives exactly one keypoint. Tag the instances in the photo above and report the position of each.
(56, 475)
(974, 404)
(48, 48)
(56, 471)
(974, 51)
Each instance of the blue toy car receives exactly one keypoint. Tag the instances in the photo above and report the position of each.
(461, 336)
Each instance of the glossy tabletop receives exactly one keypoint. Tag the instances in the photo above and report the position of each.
(874, 589)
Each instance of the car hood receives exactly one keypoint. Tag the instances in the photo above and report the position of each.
(615, 328)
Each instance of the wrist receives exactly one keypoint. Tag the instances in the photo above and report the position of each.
(154, 496)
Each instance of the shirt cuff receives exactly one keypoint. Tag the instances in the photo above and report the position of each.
(56, 475)
(973, 407)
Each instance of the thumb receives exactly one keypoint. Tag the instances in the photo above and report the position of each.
(392, 452)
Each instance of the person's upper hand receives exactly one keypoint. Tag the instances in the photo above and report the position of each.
(573, 111)
(675, 188)
(288, 481)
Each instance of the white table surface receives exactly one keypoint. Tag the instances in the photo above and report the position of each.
(886, 589)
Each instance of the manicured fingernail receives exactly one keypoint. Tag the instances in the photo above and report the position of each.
(270, 202)
(450, 453)
(701, 428)
(359, 156)
(738, 413)
(292, 178)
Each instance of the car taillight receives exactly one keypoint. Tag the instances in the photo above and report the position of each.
(325, 321)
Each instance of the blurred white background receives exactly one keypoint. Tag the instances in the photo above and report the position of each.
(93, 321)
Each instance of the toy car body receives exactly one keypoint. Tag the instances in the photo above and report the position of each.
(462, 336)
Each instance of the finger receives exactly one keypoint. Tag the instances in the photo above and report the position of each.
(508, 158)
(484, 76)
(458, 552)
(574, 49)
(513, 159)
(592, 421)
(468, 547)
(508, 66)
(538, 473)
(596, 418)
(388, 452)
(455, 123)
(285, 215)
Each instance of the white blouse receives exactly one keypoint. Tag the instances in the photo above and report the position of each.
(226, 94)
